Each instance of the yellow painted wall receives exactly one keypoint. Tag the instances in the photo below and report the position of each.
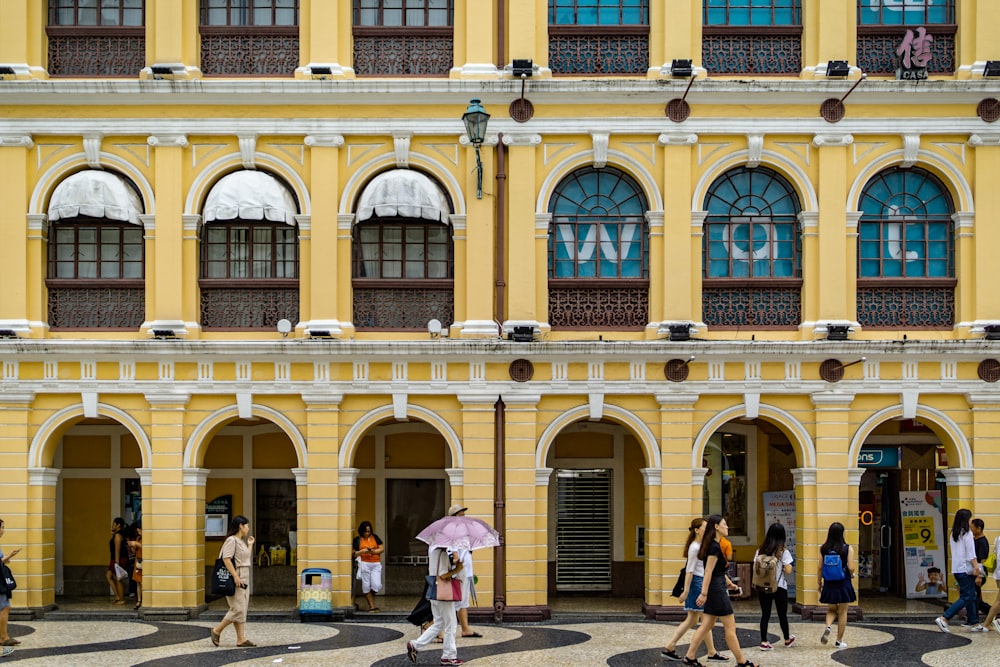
(86, 524)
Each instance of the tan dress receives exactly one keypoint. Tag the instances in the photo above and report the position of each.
(237, 550)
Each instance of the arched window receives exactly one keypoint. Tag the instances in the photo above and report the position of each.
(599, 36)
(906, 251)
(404, 37)
(752, 36)
(96, 253)
(751, 251)
(249, 254)
(403, 268)
(598, 252)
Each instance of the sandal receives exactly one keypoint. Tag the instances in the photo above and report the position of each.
(118, 602)
(137, 604)
(215, 637)
(374, 610)
(748, 663)
(10, 641)
(246, 643)
(474, 634)
(692, 662)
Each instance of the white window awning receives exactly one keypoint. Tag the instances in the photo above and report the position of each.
(403, 193)
(98, 194)
(250, 195)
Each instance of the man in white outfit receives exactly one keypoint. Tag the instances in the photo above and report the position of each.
(440, 562)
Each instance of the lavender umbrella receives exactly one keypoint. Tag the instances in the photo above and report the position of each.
(460, 532)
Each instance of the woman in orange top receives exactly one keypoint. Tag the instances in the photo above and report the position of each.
(368, 548)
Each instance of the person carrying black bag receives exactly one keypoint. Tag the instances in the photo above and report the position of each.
(6, 641)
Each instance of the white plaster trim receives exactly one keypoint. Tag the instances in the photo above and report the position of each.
(167, 140)
(755, 148)
(522, 139)
(348, 476)
(301, 476)
(13, 140)
(543, 476)
(600, 142)
(854, 476)
(92, 149)
(958, 476)
(832, 139)
(698, 477)
(984, 139)
(195, 476)
(804, 476)
(911, 150)
(43, 476)
(324, 140)
(456, 477)
(651, 477)
(677, 139)
(401, 148)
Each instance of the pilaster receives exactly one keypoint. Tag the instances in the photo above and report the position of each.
(987, 298)
(523, 248)
(166, 282)
(527, 549)
(325, 38)
(172, 38)
(14, 193)
(319, 252)
(477, 490)
(833, 265)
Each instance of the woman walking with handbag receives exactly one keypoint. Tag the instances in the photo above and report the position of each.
(6, 641)
(235, 554)
(443, 566)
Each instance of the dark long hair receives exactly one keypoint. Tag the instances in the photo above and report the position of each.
(361, 528)
(961, 524)
(710, 533)
(234, 525)
(774, 541)
(834, 539)
(692, 534)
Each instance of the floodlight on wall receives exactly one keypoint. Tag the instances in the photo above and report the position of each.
(992, 332)
(681, 67)
(522, 68)
(837, 331)
(321, 72)
(7, 73)
(8, 333)
(521, 110)
(161, 72)
(476, 120)
(838, 68)
(284, 327)
(434, 328)
(679, 332)
(323, 334)
(164, 334)
(521, 334)
(992, 68)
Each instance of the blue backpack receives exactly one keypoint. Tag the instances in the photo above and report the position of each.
(833, 567)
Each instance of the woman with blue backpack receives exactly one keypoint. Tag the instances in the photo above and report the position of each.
(837, 564)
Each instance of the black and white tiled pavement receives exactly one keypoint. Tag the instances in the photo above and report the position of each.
(368, 641)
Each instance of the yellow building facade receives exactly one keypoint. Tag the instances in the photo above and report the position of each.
(679, 293)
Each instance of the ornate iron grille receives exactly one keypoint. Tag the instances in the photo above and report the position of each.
(402, 307)
(579, 52)
(764, 51)
(255, 306)
(909, 306)
(97, 307)
(599, 306)
(229, 51)
(877, 48)
(121, 53)
(403, 55)
(756, 305)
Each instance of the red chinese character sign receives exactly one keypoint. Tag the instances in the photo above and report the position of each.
(914, 55)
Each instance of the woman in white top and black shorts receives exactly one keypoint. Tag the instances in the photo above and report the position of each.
(695, 574)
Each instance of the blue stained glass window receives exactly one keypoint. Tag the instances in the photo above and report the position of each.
(752, 12)
(905, 12)
(599, 12)
(752, 226)
(598, 226)
(906, 227)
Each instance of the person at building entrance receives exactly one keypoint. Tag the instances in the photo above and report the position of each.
(965, 568)
(774, 546)
(982, 551)
(991, 617)
(693, 578)
(236, 553)
(136, 547)
(368, 550)
(837, 566)
(119, 557)
(6, 641)
(714, 594)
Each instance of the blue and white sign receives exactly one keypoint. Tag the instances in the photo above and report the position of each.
(878, 457)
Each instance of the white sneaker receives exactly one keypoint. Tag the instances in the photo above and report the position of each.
(764, 646)
(942, 624)
(826, 636)
(978, 628)
(839, 645)
(996, 624)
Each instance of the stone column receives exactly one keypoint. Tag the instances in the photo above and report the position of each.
(165, 285)
(14, 244)
(523, 258)
(477, 475)
(829, 255)
(321, 274)
(39, 530)
(480, 244)
(679, 289)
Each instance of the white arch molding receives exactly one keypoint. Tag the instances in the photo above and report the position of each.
(792, 171)
(946, 423)
(959, 186)
(354, 435)
(387, 161)
(582, 413)
(232, 162)
(802, 442)
(197, 441)
(56, 172)
(40, 443)
(631, 166)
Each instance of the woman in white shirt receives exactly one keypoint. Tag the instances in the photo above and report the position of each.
(965, 568)
(695, 574)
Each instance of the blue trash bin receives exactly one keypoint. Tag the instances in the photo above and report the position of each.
(316, 594)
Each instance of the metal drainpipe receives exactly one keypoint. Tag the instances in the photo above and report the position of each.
(499, 426)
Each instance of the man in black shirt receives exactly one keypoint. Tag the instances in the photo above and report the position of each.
(982, 551)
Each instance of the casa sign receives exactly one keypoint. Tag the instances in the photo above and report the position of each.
(914, 53)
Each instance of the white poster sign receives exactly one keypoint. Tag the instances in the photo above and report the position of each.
(923, 544)
(779, 507)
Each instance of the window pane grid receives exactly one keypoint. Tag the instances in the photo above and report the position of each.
(256, 13)
(752, 12)
(97, 13)
(412, 251)
(99, 250)
(404, 13)
(910, 12)
(599, 12)
(239, 251)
